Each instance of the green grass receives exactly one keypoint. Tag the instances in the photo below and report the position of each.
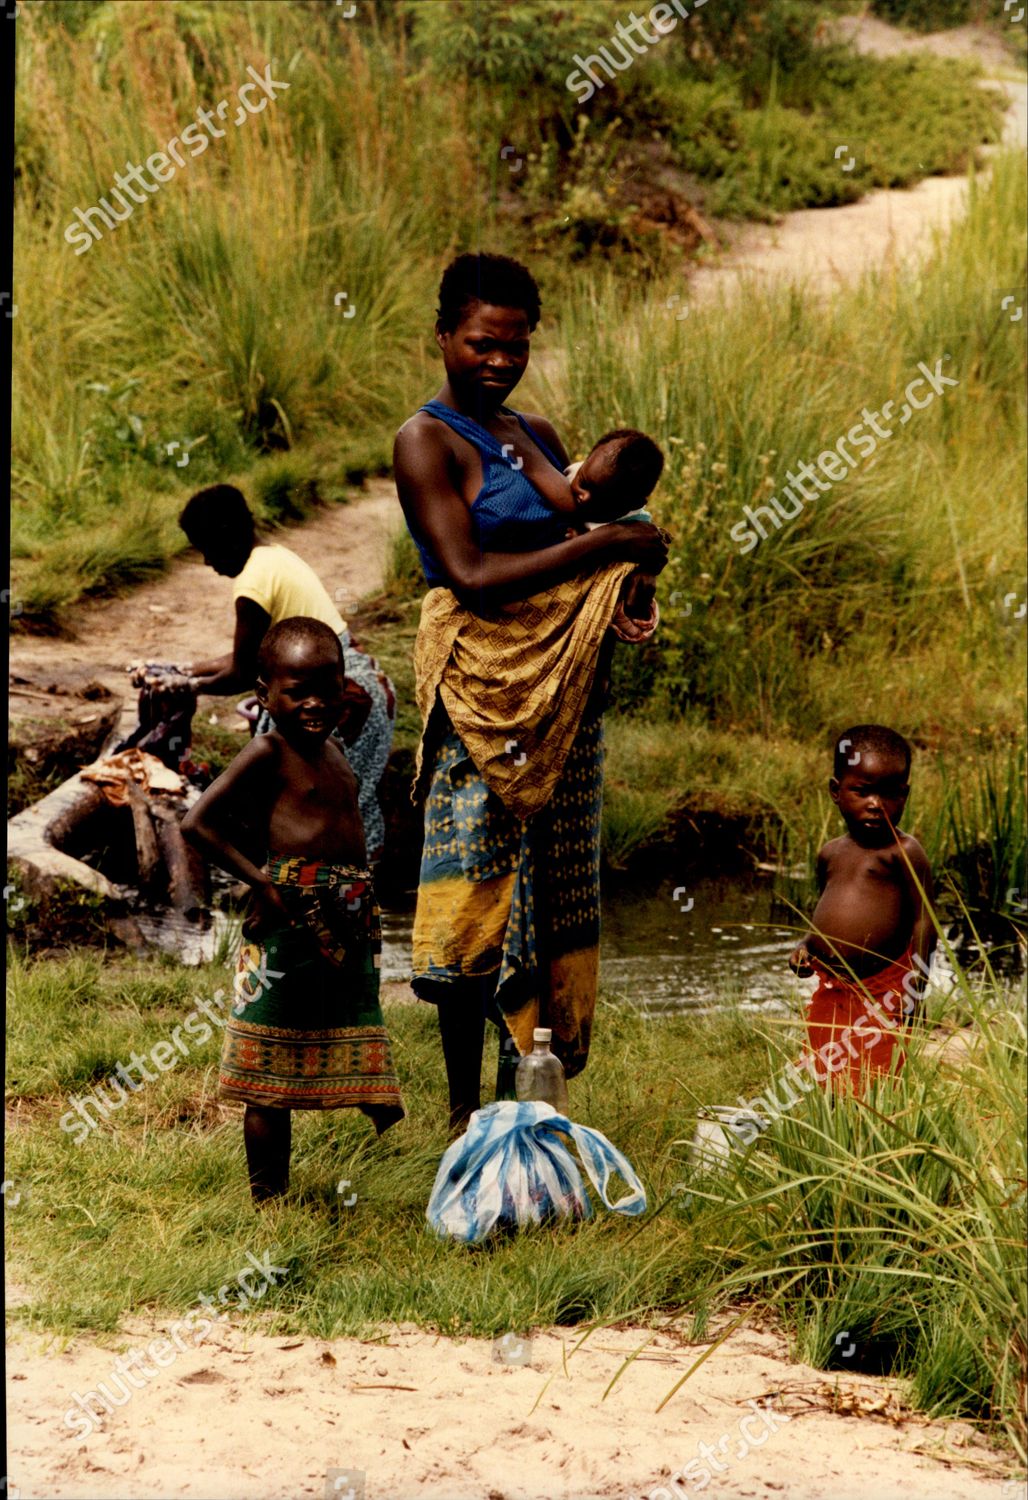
(874, 602)
(173, 1158)
(209, 318)
(899, 1219)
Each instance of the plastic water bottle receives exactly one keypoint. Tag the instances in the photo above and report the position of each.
(540, 1075)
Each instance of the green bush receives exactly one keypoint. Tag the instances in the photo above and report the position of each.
(518, 43)
(934, 15)
(898, 118)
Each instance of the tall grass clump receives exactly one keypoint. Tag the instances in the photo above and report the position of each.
(835, 617)
(214, 323)
(216, 316)
(898, 1220)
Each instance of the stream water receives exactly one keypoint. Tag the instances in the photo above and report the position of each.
(662, 954)
(663, 947)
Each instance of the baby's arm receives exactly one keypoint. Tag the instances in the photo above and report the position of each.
(247, 783)
(799, 959)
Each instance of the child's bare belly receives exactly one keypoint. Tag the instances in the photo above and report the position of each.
(861, 925)
(339, 842)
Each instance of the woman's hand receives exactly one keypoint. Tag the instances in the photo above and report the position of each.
(640, 543)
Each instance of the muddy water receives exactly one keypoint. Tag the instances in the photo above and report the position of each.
(663, 954)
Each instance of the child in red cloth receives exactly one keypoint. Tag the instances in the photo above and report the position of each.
(872, 936)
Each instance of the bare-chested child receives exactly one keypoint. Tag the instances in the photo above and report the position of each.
(872, 934)
(306, 1030)
(610, 485)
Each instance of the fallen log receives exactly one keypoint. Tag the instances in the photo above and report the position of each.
(148, 855)
(35, 836)
(187, 874)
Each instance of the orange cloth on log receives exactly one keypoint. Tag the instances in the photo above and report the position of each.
(840, 1004)
(112, 773)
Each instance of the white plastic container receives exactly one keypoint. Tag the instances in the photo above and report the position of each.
(720, 1130)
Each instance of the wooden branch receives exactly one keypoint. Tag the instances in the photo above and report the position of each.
(148, 855)
(187, 875)
(34, 833)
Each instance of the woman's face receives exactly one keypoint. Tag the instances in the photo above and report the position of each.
(487, 353)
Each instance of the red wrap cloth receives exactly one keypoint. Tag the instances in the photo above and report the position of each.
(863, 1019)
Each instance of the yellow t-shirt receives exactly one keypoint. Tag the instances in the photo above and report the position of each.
(284, 585)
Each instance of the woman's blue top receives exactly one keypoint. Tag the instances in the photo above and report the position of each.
(508, 514)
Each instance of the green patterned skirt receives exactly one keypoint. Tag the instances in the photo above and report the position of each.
(306, 1029)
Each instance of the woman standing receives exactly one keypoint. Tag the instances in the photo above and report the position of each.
(507, 921)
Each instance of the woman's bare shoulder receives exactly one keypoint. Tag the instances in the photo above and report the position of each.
(422, 442)
(420, 425)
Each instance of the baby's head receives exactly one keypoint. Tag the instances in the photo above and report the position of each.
(871, 783)
(219, 523)
(619, 474)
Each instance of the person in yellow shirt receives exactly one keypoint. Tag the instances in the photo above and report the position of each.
(272, 584)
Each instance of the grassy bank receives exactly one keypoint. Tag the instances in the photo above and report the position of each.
(213, 323)
(901, 1221)
(905, 1217)
(891, 594)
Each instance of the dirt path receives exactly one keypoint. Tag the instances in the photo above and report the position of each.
(826, 248)
(416, 1415)
(188, 613)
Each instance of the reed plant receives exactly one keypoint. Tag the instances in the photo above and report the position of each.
(273, 292)
(888, 1232)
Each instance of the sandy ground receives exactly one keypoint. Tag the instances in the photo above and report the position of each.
(412, 1415)
(269, 1418)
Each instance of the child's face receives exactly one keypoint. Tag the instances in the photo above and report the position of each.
(305, 693)
(871, 797)
(595, 490)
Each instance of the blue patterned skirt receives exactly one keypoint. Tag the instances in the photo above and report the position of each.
(518, 899)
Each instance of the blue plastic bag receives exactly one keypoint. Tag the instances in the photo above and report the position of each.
(513, 1167)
